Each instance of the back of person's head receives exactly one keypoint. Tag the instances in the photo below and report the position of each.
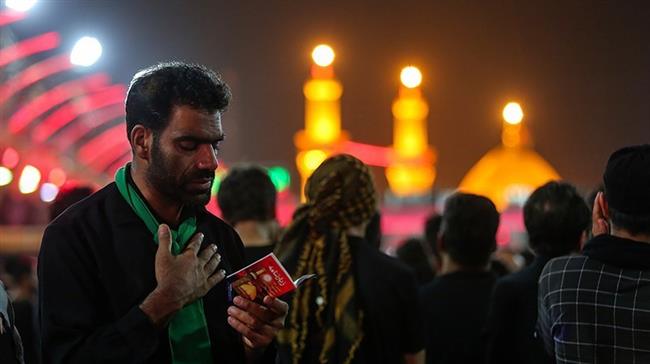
(70, 194)
(154, 91)
(341, 192)
(431, 230)
(413, 253)
(247, 194)
(627, 189)
(556, 216)
(19, 267)
(468, 229)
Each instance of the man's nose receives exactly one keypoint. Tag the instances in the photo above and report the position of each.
(207, 157)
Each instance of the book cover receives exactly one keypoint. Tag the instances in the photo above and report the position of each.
(264, 277)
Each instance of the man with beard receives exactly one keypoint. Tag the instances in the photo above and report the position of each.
(135, 272)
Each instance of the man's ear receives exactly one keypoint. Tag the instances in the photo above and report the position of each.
(604, 206)
(141, 139)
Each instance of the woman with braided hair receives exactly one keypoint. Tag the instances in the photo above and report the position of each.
(363, 307)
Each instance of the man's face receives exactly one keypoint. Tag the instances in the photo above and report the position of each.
(184, 156)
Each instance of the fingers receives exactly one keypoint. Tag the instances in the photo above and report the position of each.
(276, 305)
(212, 263)
(256, 311)
(164, 238)
(254, 338)
(207, 253)
(194, 244)
(217, 277)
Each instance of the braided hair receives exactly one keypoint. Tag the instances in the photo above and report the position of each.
(340, 194)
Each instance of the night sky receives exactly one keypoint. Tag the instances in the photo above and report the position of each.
(581, 69)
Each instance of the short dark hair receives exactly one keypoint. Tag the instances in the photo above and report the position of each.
(626, 180)
(247, 193)
(555, 216)
(469, 227)
(634, 224)
(431, 230)
(155, 91)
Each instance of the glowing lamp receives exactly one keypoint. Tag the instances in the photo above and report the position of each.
(29, 179)
(323, 55)
(10, 158)
(20, 5)
(411, 77)
(86, 52)
(57, 177)
(6, 176)
(512, 113)
(280, 177)
(48, 192)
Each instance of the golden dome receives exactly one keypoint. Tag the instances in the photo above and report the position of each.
(508, 175)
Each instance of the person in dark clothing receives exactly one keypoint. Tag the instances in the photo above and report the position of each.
(130, 274)
(69, 194)
(593, 307)
(415, 254)
(247, 198)
(431, 230)
(362, 308)
(11, 348)
(556, 219)
(23, 292)
(455, 304)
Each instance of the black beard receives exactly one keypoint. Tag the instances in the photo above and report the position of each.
(160, 176)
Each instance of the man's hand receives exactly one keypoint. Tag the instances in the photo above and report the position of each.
(183, 278)
(257, 323)
(599, 223)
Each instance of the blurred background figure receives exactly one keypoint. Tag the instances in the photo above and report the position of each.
(415, 253)
(556, 218)
(431, 230)
(362, 308)
(68, 195)
(247, 199)
(11, 350)
(455, 304)
(22, 284)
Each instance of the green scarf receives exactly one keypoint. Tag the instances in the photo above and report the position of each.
(189, 339)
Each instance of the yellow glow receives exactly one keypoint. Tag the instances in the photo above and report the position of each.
(5, 176)
(505, 175)
(29, 179)
(313, 158)
(409, 126)
(411, 77)
(513, 113)
(323, 110)
(323, 55)
(409, 180)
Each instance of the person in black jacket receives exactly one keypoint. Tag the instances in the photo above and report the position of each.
(131, 274)
(455, 303)
(362, 307)
(556, 219)
(11, 347)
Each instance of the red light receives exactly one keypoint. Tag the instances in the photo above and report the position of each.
(28, 47)
(10, 16)
(109, 96)
(51, 98)
(10, 158)
(33, 74)
(71, 136)
(57, 176)
(370, 154)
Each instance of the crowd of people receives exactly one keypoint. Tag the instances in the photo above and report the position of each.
(136, 272)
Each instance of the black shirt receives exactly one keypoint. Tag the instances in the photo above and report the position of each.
(513, 317)
(455, 308)
(96, 265)
(387, 292)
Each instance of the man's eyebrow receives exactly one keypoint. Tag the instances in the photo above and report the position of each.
(196, 139)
